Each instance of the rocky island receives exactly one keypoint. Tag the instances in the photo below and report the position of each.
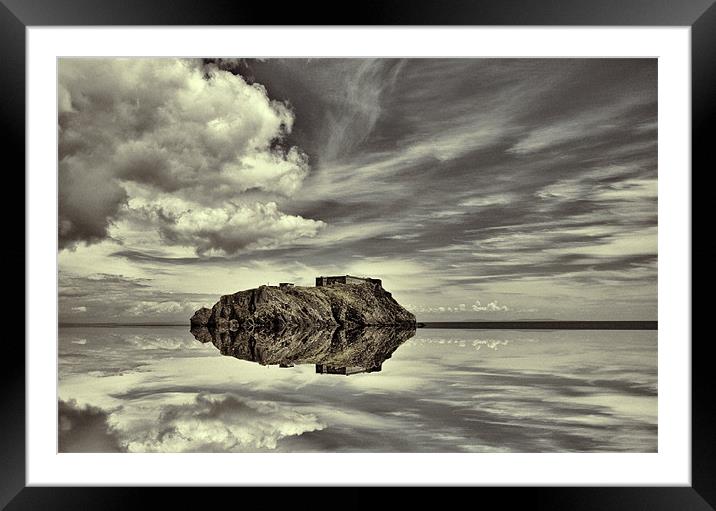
(343, 325)
(332, 350)
(342, 301)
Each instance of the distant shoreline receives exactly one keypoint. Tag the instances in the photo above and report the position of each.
(472, 325)
(545, 325)
(110, 325)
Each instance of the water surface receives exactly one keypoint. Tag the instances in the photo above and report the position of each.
(157, 389)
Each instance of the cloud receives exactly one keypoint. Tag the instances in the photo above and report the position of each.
(149, 308)
(350, 122)
(89, 199)
(493, 306)
(85, 429)
(546, 137)
(146, 342)
(209, 423)
(492, 344)
(490, 307)
(230, 228)
(483, 201)
(196, 142)
(104, 297)
(221, 423)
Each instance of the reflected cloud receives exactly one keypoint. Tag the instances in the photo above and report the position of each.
(211, 422)
(442, 391)
(221, 423)
(85, 429)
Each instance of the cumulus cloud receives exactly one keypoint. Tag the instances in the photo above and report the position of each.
(221, 423)
(172, 132)
(228, 228)
(493, 306)
(490, 307)
(150, 308)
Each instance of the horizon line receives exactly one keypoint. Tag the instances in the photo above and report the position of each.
(509, 324)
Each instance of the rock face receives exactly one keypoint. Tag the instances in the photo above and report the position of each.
(274, 308)
(333, 350)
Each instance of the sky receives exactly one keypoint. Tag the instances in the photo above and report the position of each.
(477, 189)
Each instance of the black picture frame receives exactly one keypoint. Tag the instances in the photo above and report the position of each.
(700, 15)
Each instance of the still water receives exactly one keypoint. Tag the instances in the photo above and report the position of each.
(158, 389)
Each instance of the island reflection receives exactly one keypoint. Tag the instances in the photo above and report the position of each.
(333, 351)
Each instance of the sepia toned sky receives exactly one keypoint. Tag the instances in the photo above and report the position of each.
(475, 188)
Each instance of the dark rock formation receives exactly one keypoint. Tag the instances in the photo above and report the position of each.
(201, 317)
(332, 350)
(342, 328)
(274, 308)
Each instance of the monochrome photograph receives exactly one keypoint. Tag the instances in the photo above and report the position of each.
(337, 255)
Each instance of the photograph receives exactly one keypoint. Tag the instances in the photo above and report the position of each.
(357, 255)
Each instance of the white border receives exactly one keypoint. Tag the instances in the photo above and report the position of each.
(671, 466)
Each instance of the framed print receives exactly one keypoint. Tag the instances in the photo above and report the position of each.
(434, 247)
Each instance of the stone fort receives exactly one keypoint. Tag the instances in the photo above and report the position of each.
(346, 279)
